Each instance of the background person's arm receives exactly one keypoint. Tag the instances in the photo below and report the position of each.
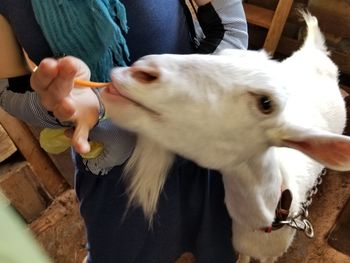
(12, 61)
(223, 23)
(202, 2)
(15, 95)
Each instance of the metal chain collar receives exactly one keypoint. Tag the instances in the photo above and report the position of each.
(300, 221)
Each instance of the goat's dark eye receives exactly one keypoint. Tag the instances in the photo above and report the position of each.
(265, 104)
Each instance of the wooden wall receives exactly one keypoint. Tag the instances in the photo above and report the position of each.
(38, 191)
(334, 21)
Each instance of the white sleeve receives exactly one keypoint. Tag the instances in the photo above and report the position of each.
(224, 25)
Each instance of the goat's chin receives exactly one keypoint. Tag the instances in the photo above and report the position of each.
(130, 117)
(126, 115)
(116, 101)
(118, 114)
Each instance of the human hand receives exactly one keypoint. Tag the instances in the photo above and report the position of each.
(54, 82)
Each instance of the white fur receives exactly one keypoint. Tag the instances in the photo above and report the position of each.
(145, 171)
(205, 107)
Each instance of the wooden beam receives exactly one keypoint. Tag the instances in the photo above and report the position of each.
(19, 185)
(279, 20)
(333, 16)
(342, 60)
(287, 45)
(257, 15)
(46, 172)
(60, 229)
(7, 147)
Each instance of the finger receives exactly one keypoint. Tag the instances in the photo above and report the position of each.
(69, 63)
(65, 110)
(80, 139)
(69, 68)
(62, 85)
(44, 75)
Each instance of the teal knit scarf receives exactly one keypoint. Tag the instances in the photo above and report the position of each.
(91, 30)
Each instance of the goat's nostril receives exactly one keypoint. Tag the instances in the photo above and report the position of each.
(144, 74)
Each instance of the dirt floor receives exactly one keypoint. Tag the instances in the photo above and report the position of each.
(327, 204)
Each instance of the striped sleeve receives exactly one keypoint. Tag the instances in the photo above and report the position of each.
(26, 106)
(224, 25)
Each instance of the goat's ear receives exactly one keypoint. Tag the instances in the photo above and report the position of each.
(331, 150)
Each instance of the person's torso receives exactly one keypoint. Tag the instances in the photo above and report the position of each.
(155, 27)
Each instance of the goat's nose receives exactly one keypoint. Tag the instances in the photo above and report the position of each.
(144, 74)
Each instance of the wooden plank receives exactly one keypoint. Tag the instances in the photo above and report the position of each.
(333, 16)
(7, 147)
(339, 237)
(342, 60)
(258, 16)
(277, 25)
(335, 25)
(62, 161)
(324, 210)
(60, 229)
(345, 90)
(19, 185)
(46, 172)
(287, 45)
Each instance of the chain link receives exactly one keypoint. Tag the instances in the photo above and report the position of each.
(300, 221)
(313, 191)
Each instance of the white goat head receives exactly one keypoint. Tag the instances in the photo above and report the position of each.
(201, 106)
(228, 112)
(215, 110)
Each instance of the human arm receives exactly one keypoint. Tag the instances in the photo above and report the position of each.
(66, 103)
(12, 61)
(53, 81)
(202, 2)
(16, 96)
(79, 107)
(223, 24)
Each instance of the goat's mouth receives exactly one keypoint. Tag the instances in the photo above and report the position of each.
(113, 94)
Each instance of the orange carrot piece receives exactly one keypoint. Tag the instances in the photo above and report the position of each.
(89, 84)
(85, 83)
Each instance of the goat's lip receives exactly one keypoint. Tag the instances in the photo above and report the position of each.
(113, 91)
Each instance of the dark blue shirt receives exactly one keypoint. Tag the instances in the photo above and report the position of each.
(191, 214)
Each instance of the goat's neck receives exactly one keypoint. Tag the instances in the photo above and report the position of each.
(252, 190)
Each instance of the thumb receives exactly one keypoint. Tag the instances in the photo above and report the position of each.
(80, 139)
